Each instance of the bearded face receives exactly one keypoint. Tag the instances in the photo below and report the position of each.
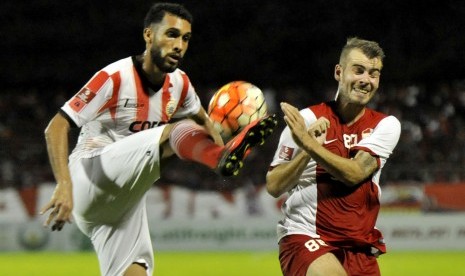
(167, 63)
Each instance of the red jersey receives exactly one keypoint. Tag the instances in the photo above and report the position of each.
(321, 206)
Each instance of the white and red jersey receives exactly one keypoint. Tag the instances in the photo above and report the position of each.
(118, 101)
(321, 206)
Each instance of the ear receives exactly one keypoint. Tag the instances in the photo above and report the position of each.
(338, 72)
(148, 35)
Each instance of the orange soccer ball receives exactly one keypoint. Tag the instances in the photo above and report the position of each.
(234, 106)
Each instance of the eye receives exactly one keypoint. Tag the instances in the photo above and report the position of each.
(358, 70)
(375, 74)
(171, 34)
(186, 37)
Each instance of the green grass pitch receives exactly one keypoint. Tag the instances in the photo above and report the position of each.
(221, 264)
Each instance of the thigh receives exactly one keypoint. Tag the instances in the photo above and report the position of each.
(120, 245)
(130, 160)
(326, 264)
(105, 186)
(298, 253)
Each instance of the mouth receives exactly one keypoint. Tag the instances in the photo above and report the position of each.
(361, 90)
(174, 58)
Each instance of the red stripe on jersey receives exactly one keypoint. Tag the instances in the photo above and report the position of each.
(112, 103)
(142, 99)
(166, 97)
(89, 91)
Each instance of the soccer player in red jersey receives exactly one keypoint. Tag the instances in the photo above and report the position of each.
(329, 161)
(124, 113)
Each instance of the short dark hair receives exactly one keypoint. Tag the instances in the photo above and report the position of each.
(158, 11)
(370, 48)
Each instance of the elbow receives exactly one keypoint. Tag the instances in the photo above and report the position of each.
(56, 126)
(47, 132)
(272, 188)
(273, 191)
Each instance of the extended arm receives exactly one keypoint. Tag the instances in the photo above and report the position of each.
(61, 203)
(282, 178)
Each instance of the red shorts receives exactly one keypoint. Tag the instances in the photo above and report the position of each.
(297, 252)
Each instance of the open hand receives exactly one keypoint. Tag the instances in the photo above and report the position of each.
(294, 120)
(61, 206)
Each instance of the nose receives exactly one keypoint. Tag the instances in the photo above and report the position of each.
(179, 44)
(365, 78)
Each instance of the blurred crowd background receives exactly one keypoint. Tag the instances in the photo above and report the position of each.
(49, 49)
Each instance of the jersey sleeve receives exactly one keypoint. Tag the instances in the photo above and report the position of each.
(384, 138)
(287, 148)
(86, 104)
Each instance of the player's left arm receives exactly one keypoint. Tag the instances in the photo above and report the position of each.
(202, 118)
(372, 152)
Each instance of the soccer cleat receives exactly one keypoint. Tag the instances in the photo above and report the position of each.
(231, 160)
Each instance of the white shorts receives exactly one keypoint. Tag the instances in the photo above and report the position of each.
(109, 200)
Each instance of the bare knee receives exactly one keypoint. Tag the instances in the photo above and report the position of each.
(165, 135)
(164, 144)
(326, 264)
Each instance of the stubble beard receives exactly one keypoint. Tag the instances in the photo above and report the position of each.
(160, 62)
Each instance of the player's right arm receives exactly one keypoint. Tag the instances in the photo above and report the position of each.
(61, 203)
(282, 178)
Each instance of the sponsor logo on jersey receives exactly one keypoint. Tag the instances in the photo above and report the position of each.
(85, 95)
(81, 99)
(137, 126)
(285, 153)
(133, 104)
(326, 142)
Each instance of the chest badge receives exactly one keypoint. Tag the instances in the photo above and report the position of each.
(170, 107)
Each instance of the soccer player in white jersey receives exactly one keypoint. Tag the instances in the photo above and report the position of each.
(125, 113)
(328, 161)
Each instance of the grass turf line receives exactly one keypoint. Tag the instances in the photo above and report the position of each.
(397, 263)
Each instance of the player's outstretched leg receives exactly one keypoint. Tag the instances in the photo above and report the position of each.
(191, 142)
(231, 160)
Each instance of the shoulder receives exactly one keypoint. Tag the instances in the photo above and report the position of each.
(322, 109)
(391, 123)
(382, 118)
(119, 65)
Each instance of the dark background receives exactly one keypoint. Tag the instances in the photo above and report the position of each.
(271, 43)
(49, 49)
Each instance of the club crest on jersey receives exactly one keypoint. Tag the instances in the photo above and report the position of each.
(285, 153)
(367, 133)
(170, 107)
